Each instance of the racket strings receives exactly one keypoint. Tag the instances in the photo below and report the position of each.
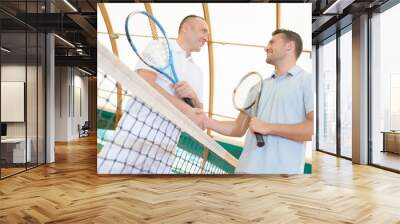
(247, 92)
(156, 53)
(148, 39)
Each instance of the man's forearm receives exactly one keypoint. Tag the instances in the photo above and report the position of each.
(236, 128)
(297, 132)
(223, 127)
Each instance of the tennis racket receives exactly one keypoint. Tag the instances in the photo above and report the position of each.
(157, 54)
(246, 96)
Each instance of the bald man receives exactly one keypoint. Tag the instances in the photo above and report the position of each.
(192, 35)
(136, 122)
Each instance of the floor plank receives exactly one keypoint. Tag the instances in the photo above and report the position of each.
(70, 191)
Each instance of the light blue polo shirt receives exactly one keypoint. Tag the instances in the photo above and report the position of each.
(285, 99)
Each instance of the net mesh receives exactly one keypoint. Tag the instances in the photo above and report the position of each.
(135, 135)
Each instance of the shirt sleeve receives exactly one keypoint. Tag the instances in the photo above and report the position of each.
(308, 93)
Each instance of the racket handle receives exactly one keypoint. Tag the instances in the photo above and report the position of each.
(188, 101)
(260, 140)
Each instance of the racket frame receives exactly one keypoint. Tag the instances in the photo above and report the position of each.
(260, 140)
(173, 79)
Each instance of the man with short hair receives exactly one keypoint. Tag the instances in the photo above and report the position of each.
(135, 149)
(285, 113)
(192, 35)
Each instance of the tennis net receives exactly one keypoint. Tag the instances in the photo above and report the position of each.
(140, 132)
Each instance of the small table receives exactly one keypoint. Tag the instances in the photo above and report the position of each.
(391, 141)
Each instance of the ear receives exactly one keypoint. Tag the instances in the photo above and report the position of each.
(185, 27)
(290, 46)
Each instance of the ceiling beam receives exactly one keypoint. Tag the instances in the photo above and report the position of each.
(337, 7)
(321, 21)
(83, 23)
(85, 61)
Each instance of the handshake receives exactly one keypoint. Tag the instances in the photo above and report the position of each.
(199, 117)
(236, 128)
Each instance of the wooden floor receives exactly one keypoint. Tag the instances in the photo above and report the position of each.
(70, 191)
(5, 172)
(10, 171)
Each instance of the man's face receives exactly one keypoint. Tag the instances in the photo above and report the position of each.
(277, 49)
(196, 34)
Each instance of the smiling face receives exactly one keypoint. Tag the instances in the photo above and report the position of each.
(278, 49)
(195, 33)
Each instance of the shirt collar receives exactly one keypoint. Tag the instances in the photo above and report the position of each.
(178, 49)
(292, 72)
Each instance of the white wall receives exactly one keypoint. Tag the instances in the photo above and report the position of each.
(14, 73)
(79, 112)
(33, 126)
(71, 94)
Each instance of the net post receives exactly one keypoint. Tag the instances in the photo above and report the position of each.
(205, 157)
(118, 114)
